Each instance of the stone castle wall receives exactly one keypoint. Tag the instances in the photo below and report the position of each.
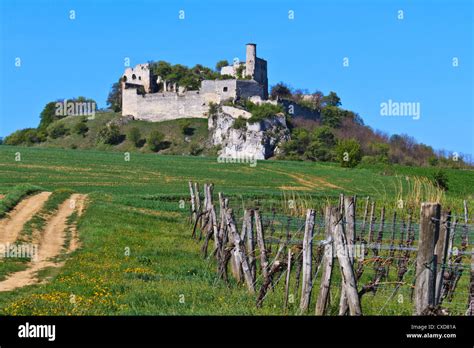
(296, 110)
(217, 91)
(158, 107)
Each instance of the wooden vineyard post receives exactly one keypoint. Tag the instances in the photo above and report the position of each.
(250, 243)
(197, 197)
(193, 203)
(277, 265)
(287, 281)
(470, 309)
(441, 252)
(380, 235)
(211, 220)
(239, 254)
(370, 238)
(307, 260)
(349, 217)
(426, 259)
(349, 282)
(327, 262)
(392, 243)
(366, 211)
(261, 244)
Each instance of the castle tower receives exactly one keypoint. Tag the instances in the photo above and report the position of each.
(250, 59)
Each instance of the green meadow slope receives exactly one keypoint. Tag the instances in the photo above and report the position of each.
(136, 254)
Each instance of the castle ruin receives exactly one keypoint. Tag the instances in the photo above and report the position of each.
(149, 97)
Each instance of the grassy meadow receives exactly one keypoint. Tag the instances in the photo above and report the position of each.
(136, 254)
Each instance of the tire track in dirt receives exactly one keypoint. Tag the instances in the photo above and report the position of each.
(12, 225)
(51, 244)
(308, 182)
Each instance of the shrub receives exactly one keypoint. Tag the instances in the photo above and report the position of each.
(348, 152)
(280, 90)
(440, 179)
(262, 111)
(220, 64)
(240, 123)
(81, 128)
(27, 136)
(185, 127)
(213, 109)
(134, 136)
(57, 130)
(110, 134)
(155, 140)
(196, 149)
(433, 161)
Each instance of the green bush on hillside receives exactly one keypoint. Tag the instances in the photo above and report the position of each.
(27, 136)
(240, 123)
(134, 136)
(348, 153)
(57, 130)
(155, 140)
(262, 111)
(440, 179)
(81, 128)
(185, 127)
(109, 134)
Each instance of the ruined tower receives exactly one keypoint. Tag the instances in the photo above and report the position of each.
(250, 59)
(256, 68)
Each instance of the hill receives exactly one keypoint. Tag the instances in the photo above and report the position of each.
(183, 136)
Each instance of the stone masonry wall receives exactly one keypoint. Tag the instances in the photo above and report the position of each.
(164, 106)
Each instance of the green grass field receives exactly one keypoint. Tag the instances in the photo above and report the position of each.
(137, 256)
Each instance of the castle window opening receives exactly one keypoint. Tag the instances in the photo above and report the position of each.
(225, 89)
(139, 77)
(125, 78)
(134, 77)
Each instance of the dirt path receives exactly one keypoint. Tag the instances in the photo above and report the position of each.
(307, 182)
(51, 245)
(11, 226)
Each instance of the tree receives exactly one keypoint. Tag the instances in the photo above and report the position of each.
(161, 68)
(155, 140)
(48, 115)
(280, 90)
(316, 100)
(134, 136)
(114, 99)
(220, 64)
(332, 99)
(331, 116)
(325, 136)
(348, 152)
(299, 143)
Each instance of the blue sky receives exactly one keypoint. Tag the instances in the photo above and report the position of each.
(408, 60)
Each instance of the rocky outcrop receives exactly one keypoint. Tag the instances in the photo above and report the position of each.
(259, 140)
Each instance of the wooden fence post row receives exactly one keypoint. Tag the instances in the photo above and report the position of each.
(438, 266)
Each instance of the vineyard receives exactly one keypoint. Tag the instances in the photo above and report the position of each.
(346, 257)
